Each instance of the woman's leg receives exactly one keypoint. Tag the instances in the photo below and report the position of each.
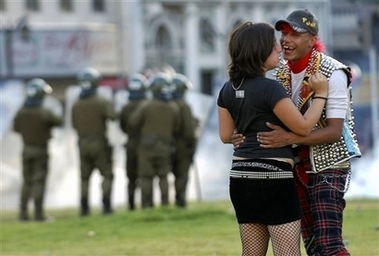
(254, 238)
(285, 239)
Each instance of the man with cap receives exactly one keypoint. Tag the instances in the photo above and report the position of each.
(322, 170)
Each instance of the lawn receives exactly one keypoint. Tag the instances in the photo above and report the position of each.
(204, 228)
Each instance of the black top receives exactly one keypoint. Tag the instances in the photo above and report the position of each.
(251, 106)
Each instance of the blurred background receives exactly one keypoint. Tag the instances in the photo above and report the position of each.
(55, 39)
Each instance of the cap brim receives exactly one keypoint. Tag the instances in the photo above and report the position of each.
(279, 23)
(294, 25)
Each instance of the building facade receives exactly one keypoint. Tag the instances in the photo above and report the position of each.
(54, 39)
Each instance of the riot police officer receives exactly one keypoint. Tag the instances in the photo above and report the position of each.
(185, 139)
(89, 118)
(34, 122)
(137, 89)
(158, 120)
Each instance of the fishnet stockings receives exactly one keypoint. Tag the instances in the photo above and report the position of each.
(285, 239)
(254, 238)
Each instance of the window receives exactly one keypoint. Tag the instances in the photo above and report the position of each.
(207, 35)
(207, 81)
(98, 5)
(2, 5)
(32, 5)
(66, 5)
(163, 40)
(239, 22)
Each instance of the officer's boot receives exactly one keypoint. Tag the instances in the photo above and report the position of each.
(24, 200)
(106, 205)
(38, 210)
(84, 211)
(180, 201)
(131, 204)
(23, 211)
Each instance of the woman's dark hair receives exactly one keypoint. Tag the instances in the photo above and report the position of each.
(250, 45)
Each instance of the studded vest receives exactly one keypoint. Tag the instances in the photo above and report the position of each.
(328, 155)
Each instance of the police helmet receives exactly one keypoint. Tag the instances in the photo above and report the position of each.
(161, 86)
(37, 88)
(181, 85)
(137, 86)
(89, 78)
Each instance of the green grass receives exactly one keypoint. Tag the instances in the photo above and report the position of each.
(206, 228)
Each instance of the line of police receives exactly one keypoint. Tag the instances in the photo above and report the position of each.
(161, 138)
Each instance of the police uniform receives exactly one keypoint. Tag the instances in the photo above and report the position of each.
(34, 122)
(185, 141)
(159, 120)
(131, 150)
(137, 94)
(89, 116)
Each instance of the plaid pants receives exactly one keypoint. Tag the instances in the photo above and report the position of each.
(322, 201)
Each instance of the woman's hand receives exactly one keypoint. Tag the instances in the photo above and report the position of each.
(319, 84)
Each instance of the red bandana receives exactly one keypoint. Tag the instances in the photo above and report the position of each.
(300, 65)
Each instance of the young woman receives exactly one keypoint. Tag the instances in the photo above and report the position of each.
(262, 188)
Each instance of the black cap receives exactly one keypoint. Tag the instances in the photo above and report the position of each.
(301, 21)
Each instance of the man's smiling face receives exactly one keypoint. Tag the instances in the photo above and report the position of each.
(295, 45)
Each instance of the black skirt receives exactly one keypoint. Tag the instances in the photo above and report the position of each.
(264, 201)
